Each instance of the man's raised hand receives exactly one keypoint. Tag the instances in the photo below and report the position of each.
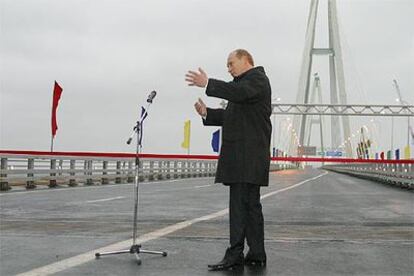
(201, 108)
(199, 78)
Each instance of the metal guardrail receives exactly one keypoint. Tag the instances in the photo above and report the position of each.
(33, 170)
(53, 171)
(401, 175)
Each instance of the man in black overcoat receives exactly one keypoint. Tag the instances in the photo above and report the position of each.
(245, 152)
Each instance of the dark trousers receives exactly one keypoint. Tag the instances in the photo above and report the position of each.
(246, 221)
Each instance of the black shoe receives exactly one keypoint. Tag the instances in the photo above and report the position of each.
(226, 266)
(255, 263)
(255, 260)
(229, 262)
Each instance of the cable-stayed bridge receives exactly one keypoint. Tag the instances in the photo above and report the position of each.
(310, 109)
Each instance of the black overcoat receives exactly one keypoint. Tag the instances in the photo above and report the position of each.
(245, 151)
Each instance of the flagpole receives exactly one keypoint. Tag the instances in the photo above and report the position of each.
(51, 118)
(189, 137)
(51, 144)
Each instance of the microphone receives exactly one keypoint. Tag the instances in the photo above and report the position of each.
(151, 96)
(129, 140)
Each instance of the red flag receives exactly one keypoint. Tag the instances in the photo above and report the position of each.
(57, 91)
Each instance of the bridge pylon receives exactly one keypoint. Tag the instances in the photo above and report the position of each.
(340, 127)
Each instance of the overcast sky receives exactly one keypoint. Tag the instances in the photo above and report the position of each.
(108, 55)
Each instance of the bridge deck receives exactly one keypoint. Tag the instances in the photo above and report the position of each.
(330, 225)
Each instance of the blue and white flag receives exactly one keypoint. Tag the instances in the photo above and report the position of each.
(144, 115)
(397, 154)
(215, 141)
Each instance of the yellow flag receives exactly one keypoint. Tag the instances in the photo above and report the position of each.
(187, 134)
(407, 153)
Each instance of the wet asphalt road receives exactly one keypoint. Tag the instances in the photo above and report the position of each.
(331, 225)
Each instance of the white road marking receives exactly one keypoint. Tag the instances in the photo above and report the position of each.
(178, 189)
(89, 256)
(202, 186)
(105, 199)
(293, 186)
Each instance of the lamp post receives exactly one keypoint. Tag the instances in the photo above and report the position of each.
(274, 129)
(401, 101)
(408, 120)
(375, 134)
(282, 125)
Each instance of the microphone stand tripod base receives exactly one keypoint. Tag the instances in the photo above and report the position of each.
(135, 249)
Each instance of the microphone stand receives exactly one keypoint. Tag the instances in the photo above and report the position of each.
(136, 248)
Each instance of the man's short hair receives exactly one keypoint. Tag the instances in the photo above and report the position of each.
(243, 53)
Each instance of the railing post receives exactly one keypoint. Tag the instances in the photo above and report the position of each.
(140, 171)
(189, 169)
(200, 168)
(4, 185)
(168, 169)
(30, 166)
(72, 180)
(124, 172)
(118, 172)
(85, 168)
(175, 169)
(151, 170)
(60, 167)
(52, 181)
(205, 174)
(130, 172)
(212, 168)
(184, 165)
(182, 169)
(104, 179)
(89, 181)
(160, 170)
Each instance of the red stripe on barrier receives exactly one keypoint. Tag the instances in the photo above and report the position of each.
(341, 160)
(110, 155)
(206, 157)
